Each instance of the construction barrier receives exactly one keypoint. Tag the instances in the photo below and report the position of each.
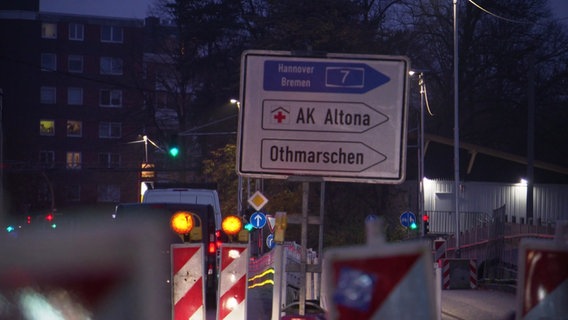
(361, 282)
(188, 274)
(446, 274)
(473, 274)
(233, 282)
(312, 278)
(103, 271)
(459, 274)
(543, 279)
(439, 250)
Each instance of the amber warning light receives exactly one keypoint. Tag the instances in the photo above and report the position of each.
(181, 222)
(232, 225)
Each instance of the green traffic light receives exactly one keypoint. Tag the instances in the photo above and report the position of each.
(174, 151)
(413, 226)
(249, 227)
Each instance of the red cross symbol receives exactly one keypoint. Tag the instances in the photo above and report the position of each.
(280, 116)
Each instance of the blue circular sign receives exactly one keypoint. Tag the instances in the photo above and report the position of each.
(258, 220)
(270, 241)
(407, 218)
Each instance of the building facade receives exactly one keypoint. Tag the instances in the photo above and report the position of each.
(479, 200)
(73, 110)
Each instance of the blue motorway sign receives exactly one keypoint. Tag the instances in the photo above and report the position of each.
(258, 220)
(407, 218)
(311, 76)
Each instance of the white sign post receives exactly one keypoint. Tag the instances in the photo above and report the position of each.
(342, 117)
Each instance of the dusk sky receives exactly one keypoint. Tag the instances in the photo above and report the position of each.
(113, 8)
(139, 8)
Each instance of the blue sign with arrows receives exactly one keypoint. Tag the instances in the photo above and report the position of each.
(407, 218)
(331, 77)
(258, 220)
(270, 241)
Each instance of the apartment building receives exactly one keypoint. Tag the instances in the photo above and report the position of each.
(73, 110)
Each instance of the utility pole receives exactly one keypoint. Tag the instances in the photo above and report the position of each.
(2, 204)
(456, 132)
(530, 139)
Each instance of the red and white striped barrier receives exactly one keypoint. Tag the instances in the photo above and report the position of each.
(439, 250)
(459, 274)
(473, 274)
(356, 289)
(233, 282)
(446, 274)
(188, 288)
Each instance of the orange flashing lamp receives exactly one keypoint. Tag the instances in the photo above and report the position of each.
(181, 222)
(232, 225)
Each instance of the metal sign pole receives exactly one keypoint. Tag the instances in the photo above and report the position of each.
(320, 239)
(304, 243)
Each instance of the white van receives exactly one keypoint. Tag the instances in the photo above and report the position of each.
(186, 195)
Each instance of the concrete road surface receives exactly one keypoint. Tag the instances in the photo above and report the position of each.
(480, 304)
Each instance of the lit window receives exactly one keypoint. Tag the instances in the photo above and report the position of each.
(76, 31)
(73, 160)
(46, 127)
(110, 65)
(108, 193)
(75, 96)
(48, 62)
(75, 63)
(47, 159)
(109, 160)
(111, 98)
(49, 30)
(73, 192)
(74, 128)
(111, 130)
(111, 34)
(47, 95)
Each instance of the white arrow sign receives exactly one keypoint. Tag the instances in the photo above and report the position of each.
(342, 117)
(322, 116)
(318, 156)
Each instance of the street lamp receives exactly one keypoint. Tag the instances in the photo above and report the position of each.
(145, 139)
(421, 152)
(235, 101)
(239, 177)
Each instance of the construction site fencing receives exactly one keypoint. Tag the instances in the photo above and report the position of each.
(488, 238)
(271, 271)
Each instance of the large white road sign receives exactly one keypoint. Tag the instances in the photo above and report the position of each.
(339, 117)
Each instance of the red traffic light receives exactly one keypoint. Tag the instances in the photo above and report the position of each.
(49, 217)
(425, 218)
